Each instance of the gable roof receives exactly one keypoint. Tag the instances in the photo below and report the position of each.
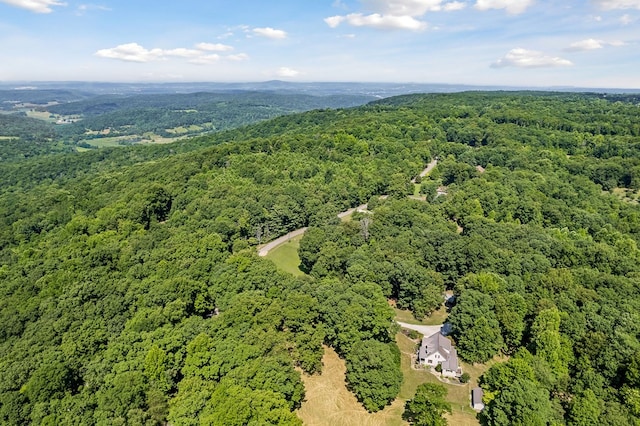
(439, 343)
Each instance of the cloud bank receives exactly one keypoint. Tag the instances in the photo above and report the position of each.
(523, 58)
(201, 55)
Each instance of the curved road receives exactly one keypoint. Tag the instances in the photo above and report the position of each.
(275, 243)
(264, 250)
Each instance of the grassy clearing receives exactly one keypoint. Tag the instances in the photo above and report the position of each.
(7, 138)
(626, 194)
(328, 402)
(41, 115)
(436, 318)
(286, 256)
(181, 129)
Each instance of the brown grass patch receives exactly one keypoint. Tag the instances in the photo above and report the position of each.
(328, 402)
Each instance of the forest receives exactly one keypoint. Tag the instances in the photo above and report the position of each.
(131, 291)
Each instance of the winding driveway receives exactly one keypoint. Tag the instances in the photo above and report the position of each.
(264, 250)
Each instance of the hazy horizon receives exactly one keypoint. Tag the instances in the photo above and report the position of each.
(519, 43)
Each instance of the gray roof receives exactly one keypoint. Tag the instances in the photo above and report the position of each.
(476, 396)
(439, 343)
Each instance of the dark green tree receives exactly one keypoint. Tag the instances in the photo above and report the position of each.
(428, 406)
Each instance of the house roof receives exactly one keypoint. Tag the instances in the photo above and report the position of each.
(439, 343)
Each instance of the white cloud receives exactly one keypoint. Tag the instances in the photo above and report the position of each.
(211, 47)
(592, 44)
(37, 6)
(453, 6)
(287, 72)
(394, 14)
(238, 57)
(626, 19)
(133, 52)
(588, 44)
(523, 58)
(181, 52)
(403, 7)
(513, 7)
(205, 59)
(617, 4)
(84, 8)
(269, 32)
(377, 21)
(130, 52)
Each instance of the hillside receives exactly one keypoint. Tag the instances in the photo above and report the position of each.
(131, 291)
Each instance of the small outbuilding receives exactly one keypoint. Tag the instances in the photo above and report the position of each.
(476, 399)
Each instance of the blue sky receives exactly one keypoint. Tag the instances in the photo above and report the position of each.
(588, 43)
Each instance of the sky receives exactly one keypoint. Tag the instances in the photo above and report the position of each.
(585, 43)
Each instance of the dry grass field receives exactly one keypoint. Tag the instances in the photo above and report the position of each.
(329, 403)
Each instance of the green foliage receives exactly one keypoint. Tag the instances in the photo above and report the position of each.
(427, 406)
(521, 403)
(373, 373)
(475, 326)
(130, 292)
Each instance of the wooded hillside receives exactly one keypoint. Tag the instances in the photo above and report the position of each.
(131, 291)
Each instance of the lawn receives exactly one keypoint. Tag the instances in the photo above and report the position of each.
(41, 115)
(286, 257)
(436, 318)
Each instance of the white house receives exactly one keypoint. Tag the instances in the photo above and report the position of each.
(437, 349)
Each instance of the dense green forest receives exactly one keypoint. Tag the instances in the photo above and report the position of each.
(131, 291)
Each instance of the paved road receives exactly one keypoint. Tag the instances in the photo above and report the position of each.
(425, 330)
(361, 208)
(275, 243)
(427, 169)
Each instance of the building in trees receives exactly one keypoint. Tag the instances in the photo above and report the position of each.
(437, 350)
